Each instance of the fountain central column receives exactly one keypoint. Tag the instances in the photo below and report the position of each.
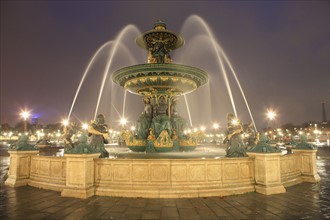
(160, 82)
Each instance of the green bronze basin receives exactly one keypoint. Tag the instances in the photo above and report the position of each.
(187, 148)
(137, 148)
(151, 78)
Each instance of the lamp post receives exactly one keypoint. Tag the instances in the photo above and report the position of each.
(271, 115)
(123, 122)
(215, 127)
(25, 115)
(84, 127)
(133, 130)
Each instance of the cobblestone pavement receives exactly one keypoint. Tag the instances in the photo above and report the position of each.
(303, 201)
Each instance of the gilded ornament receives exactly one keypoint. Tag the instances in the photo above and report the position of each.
(163, 140)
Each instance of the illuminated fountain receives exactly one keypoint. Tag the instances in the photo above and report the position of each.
(160, 82)
(81, 173)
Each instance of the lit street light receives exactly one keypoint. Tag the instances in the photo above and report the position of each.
(271, 115)
(65, 122)
(25, 115)
(123, 122)
(84, 126)
(215, 127)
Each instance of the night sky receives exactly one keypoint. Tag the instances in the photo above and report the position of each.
(279, 50)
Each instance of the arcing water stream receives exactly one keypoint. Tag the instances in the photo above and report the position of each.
(194, 20)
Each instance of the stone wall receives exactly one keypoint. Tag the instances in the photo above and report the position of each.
(290, 169)
(164, 178)
(85, 175)
(48, 172)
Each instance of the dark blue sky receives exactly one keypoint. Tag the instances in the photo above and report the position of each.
(279, 49)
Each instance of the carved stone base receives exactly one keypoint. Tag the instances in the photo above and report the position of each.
(78, 193)
(311, 178)
(267, 173)
(79, 175)
(269, 190)
(14, 182)
(308, 166)
(19, 169)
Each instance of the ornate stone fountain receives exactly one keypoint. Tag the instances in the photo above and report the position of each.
(160, 82)
(81, 174)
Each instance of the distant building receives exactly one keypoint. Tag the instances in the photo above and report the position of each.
(35, 120)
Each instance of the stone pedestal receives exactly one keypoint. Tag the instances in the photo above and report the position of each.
(19, 168)
(267, 169)
(308, 165)
(79, 175)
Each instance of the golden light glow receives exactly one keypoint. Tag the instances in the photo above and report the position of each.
(84, 126)
(65, 122)
(25, 114)
(271, 115)
(123, 121)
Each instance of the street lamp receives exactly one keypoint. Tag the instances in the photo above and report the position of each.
(84, 126)
(25, 115)
(133, 129)
(123, 122)
(271, 115)
(215, 127)
(65, 122)
(235, 122)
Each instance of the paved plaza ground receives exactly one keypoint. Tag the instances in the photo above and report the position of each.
(303, 201)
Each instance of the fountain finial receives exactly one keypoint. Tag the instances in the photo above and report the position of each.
(159, 41)
(160, 25)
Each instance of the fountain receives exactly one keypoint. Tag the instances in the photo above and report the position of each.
(160, 81)
(82, 173)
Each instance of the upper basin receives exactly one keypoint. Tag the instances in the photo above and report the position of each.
(146, 79)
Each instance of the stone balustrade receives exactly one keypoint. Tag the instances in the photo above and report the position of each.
(85, 175)
(168, 178)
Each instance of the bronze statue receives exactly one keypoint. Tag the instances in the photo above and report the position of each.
(162, 106)
(235, 144)
(159, 51)
(252, 137)
(68, 132)
(98, 132)
(22, 144)
(173, 107)
(147, 107)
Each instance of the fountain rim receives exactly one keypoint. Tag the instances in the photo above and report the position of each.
(121, 76)
(159, 67)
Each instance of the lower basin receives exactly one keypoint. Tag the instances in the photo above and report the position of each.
(200, 152)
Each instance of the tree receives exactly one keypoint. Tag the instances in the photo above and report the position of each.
(5, 127)
(288, 126)
(20, 126)
(54, 127)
